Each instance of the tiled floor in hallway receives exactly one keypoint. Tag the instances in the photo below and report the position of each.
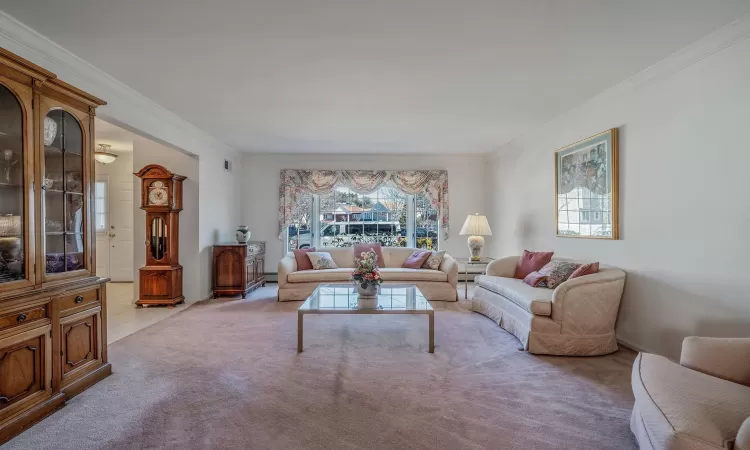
(124, 319)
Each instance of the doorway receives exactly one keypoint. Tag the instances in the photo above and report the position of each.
(118, 220)
(114, 219)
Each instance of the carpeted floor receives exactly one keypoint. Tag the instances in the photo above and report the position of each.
(226, 375)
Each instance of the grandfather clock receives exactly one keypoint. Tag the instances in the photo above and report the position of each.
(161, 198)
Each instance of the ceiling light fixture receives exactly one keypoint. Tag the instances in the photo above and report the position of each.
(104, 155)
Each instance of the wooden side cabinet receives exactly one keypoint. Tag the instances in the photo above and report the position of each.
(239, 268)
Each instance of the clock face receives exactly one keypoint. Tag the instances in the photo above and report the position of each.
(157, 193)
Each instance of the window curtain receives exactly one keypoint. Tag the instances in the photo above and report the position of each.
(297, 186)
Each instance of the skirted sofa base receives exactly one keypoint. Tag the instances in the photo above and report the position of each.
(539, 334)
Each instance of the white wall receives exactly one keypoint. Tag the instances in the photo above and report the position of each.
(219, 198)
(684, 165)
(220, 212)
(147, 152)
(261, 189)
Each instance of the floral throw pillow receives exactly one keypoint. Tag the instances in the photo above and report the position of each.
(555, 272)
(321, 260)
(434, 261)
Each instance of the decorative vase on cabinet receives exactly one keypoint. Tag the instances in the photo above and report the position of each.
(242, 234)
(49, 292)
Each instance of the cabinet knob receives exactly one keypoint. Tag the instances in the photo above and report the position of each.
(79, 299)
(21, 317)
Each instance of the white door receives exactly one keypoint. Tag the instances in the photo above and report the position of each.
(101, 224)
(114, 222)
(121, 224)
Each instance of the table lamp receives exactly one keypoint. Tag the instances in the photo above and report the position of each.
(475, 227)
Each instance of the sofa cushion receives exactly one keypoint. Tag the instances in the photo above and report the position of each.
(343, 256)
(386, 273)
(531, 262)
(303, 262)
(396, 256)
(321, 260)
(417, 258)
(557, 272)
(585, 269)
(434, 260)
(402, 274)
(324, 275)
(680, 405)
(537, 301)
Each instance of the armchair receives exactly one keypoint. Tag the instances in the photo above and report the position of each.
(701, 403)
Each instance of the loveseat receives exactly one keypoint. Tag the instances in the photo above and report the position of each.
(576, 318)
(434, 284)
(701, 403)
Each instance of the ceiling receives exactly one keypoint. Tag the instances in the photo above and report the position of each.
(399, 76)
(121, 140)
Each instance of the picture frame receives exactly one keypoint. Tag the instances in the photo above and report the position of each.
(586, 188)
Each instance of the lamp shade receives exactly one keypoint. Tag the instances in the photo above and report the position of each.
(476, 225)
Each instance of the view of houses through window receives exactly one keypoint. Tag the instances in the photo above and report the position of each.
(343, 218)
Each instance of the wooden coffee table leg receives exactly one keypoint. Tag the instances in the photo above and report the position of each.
(299, 331)
(431, 317)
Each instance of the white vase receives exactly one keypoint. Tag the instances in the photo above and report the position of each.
(242, 234)
(370, 291)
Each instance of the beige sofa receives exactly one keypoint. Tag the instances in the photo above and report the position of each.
(701, 403)
(434, 284)
(576, 318)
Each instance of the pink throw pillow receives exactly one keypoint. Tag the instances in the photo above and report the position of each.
(303, 262)
(416, 259)
(585, 269)
(534, 278)
(359, 248)
(531, 262)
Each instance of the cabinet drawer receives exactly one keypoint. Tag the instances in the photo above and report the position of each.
(78, 301)
(27, 314)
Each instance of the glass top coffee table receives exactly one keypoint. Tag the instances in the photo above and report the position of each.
(343, 299)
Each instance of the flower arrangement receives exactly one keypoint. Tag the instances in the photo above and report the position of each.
(366, 274)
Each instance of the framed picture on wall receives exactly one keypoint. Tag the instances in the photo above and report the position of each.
(586, 194)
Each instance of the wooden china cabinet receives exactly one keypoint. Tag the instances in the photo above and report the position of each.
(53, 327)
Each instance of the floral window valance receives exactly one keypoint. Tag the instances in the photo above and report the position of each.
(297, 185)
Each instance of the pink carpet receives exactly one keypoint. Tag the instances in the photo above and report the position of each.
(226, 375)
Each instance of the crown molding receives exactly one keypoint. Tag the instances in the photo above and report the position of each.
(726, 36)
(126, 107)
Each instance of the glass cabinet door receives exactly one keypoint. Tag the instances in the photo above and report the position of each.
(12, 243)
(158, 238)
(63, 192)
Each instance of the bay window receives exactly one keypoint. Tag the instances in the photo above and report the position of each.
(342, 218)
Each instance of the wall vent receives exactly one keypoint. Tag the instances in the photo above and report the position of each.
(227, 165)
